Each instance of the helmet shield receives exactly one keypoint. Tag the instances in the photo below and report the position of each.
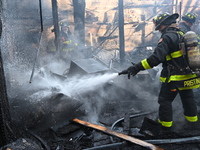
(164, 19)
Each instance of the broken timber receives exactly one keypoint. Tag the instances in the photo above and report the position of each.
(117, 134)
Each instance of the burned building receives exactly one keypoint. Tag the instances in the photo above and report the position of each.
(71, 100)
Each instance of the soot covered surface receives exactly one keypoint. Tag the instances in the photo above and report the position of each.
(52, 107)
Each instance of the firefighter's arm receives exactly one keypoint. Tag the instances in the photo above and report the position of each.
(149, 62)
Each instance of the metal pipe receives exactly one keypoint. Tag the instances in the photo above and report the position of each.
(121, 119)
(121, 31)
(131, 116)
(195, 139)
(180, 11)
(108, 146)
(179, 140)
(36, 58)
(38, 51)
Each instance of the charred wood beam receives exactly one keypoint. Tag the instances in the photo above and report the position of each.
(79, 21)
(41, 19)
(117, 134)
(55, 23)
(131, 6)
(126, 125)
(180, 10)
(147, 6)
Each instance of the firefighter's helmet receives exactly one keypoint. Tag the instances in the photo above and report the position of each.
(189, 17)
(63, 24)
(164, 19)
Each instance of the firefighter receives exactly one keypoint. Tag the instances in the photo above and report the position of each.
(187, 21)
(68, 43)
(175, 77)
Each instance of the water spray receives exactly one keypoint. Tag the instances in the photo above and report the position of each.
(86, 83)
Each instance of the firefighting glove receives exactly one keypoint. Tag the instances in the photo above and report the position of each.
(132, 70)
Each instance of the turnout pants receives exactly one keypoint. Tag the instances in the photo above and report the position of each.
(167, 94)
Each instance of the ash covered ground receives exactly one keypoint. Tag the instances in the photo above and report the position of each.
(45, 108)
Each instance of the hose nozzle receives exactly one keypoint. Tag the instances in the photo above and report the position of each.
(123, 72)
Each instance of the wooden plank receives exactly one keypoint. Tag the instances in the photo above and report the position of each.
(117, 134)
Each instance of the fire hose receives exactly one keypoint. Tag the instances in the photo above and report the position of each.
(122, 119)
(194, 139)
(178, 140)
(131, 116)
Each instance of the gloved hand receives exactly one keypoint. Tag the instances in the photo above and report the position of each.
(125, 72)
(132, 70)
